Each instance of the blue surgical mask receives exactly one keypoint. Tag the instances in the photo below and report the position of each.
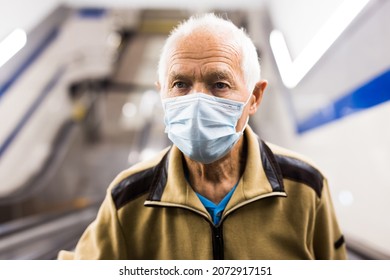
(202, 126)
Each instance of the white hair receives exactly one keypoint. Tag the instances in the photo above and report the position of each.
(250, 65)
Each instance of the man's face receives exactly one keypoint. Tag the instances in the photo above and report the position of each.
(203, 62)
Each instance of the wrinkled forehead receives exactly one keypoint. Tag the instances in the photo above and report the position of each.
(204, 41)
(204, 49)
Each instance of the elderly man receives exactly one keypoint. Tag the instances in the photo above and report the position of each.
(219, 192)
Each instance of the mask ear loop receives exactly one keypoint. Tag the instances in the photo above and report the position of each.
(246, 102)
(247, 119)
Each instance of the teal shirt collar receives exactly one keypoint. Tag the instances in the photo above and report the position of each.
(216, 210)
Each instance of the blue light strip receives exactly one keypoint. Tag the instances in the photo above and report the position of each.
(373, 93)
(92, 12)
(34, 55)
(44, 93)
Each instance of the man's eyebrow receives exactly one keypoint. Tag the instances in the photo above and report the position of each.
(210, 76)
(177, 76)
(220, 75)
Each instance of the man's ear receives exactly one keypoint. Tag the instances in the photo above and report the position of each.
(258, 96)
(158, 86)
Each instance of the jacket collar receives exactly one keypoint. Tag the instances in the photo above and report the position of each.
(261, 178)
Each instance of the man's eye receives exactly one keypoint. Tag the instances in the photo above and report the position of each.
(179, 85)
(220, 85)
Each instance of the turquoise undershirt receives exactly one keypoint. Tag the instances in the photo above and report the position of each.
(216, 210)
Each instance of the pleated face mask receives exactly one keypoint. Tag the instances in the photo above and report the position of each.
(202, 126)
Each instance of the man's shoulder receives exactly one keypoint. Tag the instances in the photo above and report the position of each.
(284, 152)
(136, 180)
(296, 167)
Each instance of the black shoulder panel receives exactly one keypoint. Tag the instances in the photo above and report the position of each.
(271, 168)
(132, 187)
(140, 183)
(300, 171)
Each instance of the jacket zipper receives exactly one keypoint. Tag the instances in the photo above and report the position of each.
(217, 236)
(218, 248)
(217, 242)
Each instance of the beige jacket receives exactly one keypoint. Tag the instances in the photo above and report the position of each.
(281, 209)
